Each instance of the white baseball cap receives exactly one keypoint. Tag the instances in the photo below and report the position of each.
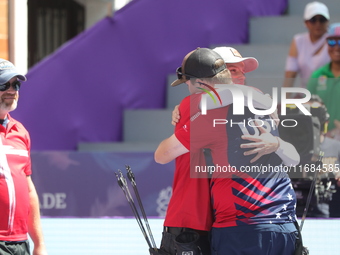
(231, 55)
(315, 8)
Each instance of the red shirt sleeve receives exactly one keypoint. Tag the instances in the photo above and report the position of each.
(183, 135)
(182, 129)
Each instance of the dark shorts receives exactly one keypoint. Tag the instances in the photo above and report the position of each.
(261, 239)
(170, 233)
(14, 248)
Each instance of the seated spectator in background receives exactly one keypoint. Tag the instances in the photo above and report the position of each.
(308, 51)
(325, 81)
(325, 183)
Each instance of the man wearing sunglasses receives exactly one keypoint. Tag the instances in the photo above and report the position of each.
(325, 81)
(308, 50)
(189, 205)
(19, 205)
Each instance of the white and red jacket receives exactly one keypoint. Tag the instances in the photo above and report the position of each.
(15, 166)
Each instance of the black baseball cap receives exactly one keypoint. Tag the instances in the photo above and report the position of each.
(199, 63)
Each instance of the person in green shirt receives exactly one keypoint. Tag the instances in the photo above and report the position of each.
(325, 82)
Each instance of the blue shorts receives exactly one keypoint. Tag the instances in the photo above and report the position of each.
(261, 239)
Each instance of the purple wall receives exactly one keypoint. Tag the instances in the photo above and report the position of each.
(78, 93)
(75, 184)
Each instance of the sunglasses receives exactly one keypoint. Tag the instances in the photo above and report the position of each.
(16, 86)
(316, 19)
(333, 42)
(180, 74)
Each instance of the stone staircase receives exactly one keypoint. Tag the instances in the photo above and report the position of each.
(269, 42)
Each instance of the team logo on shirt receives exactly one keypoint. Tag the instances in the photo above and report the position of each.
(322, 82)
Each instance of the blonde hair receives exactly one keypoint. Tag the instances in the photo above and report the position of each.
(223, 77)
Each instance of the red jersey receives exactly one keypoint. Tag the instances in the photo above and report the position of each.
(15, 166)
(189, 206)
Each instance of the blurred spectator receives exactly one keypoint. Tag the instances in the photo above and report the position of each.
(325, 81)
(325, 183)
(308, 51)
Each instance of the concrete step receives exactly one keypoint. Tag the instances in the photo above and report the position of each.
(147, 125)
(278, 29)
(275, 29)
(266, 83)
(118, 147)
